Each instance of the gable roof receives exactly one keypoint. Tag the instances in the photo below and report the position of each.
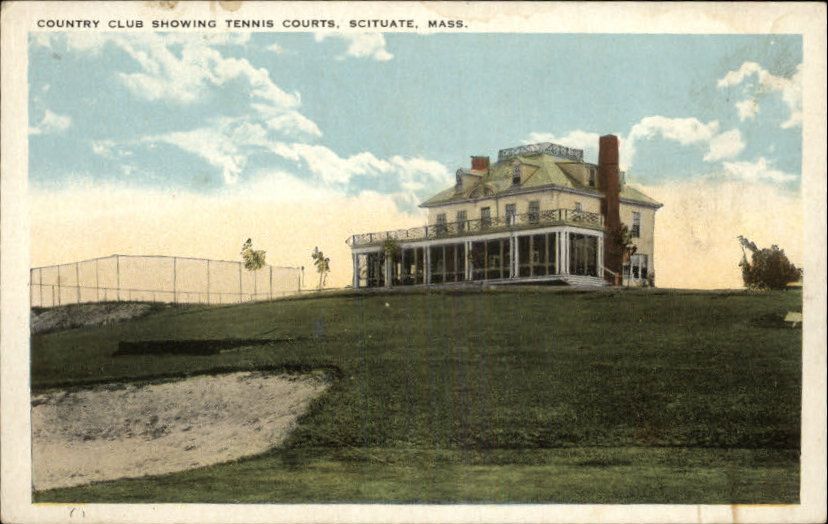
(538, 171)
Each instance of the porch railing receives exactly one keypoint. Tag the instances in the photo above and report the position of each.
(551, 217)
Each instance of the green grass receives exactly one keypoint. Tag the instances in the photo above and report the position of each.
(520, 395)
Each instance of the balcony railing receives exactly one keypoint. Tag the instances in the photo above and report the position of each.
(551, 217)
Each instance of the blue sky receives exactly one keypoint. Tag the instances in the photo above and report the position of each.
(398, 113)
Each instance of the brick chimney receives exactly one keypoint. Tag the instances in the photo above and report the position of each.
(480, 163)
(609, 184)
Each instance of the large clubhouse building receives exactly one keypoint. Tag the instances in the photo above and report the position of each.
(540, 214)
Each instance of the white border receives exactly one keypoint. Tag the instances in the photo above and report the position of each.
(576, 17)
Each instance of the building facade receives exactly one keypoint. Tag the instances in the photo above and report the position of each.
(539, 214)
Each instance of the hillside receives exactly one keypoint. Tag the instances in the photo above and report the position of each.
(514, 395)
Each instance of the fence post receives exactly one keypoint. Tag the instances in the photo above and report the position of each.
(77, 281)
(58, 286)
(40, 272)
(175, 275)
(271, 282)
(97, 283)
(117, 278)
(240, 282)
(208, 281)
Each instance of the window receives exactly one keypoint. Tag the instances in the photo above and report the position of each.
(583, 255)
(441, 223)
(485, 217)
(578, 207)
(638, 269)
(636, 224)
(516, 174)
(534, 211)
(461, 220)
(511, 214)
(592, 178)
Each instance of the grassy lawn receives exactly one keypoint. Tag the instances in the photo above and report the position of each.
(519, 395)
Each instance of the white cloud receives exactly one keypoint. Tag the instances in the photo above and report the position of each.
(103, 148)
(361, 45)
(51, 123)
(181, 67)
(409, 175)
(685, 131)
(330, 167)
(790, 89)
(757, 171)
(219, 146)
(275, 48)
(418, 173)
(288, 122)
(578, 139)
(725, 145)
(747, 109)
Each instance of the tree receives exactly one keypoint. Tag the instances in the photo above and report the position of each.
(625, 241)
(622, 240)
(768, 268)
(323, 266)
(390, 248)
(254, 259)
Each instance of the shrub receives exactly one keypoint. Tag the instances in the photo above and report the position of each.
(768, 268)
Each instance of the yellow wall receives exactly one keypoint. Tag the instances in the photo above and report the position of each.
(644, 243)
(548, 199)
(551, 199)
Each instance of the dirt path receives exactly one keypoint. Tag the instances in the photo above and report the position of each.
(106, 433)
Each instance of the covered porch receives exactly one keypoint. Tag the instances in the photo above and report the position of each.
(568, 254)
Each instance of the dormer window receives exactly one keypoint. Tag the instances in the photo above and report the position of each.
(458, 180)
(516, 174)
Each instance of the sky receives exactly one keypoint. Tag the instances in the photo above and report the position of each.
(187, 143)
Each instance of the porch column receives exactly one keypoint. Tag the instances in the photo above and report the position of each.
(515, 269)
(557, 254)
(356, 270)
(387, 267)
(427, 264)
(467, 262)
(601, 256)
(565, 252)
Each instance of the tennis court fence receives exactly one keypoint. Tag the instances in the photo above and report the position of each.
(159, 279)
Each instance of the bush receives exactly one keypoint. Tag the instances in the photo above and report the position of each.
(768, 268)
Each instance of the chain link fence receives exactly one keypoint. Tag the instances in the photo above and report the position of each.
(159, 279)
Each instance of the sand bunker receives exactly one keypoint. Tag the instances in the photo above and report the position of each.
(81, 315)
(111, 432)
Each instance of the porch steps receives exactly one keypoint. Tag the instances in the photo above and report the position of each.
(584, 281)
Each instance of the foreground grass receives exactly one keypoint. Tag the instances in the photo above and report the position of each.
(580, 475)
(517, 396)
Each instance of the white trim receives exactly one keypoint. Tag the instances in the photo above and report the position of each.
(489, 236)
(355, 280)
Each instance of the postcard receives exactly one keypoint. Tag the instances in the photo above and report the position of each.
(413, 262)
